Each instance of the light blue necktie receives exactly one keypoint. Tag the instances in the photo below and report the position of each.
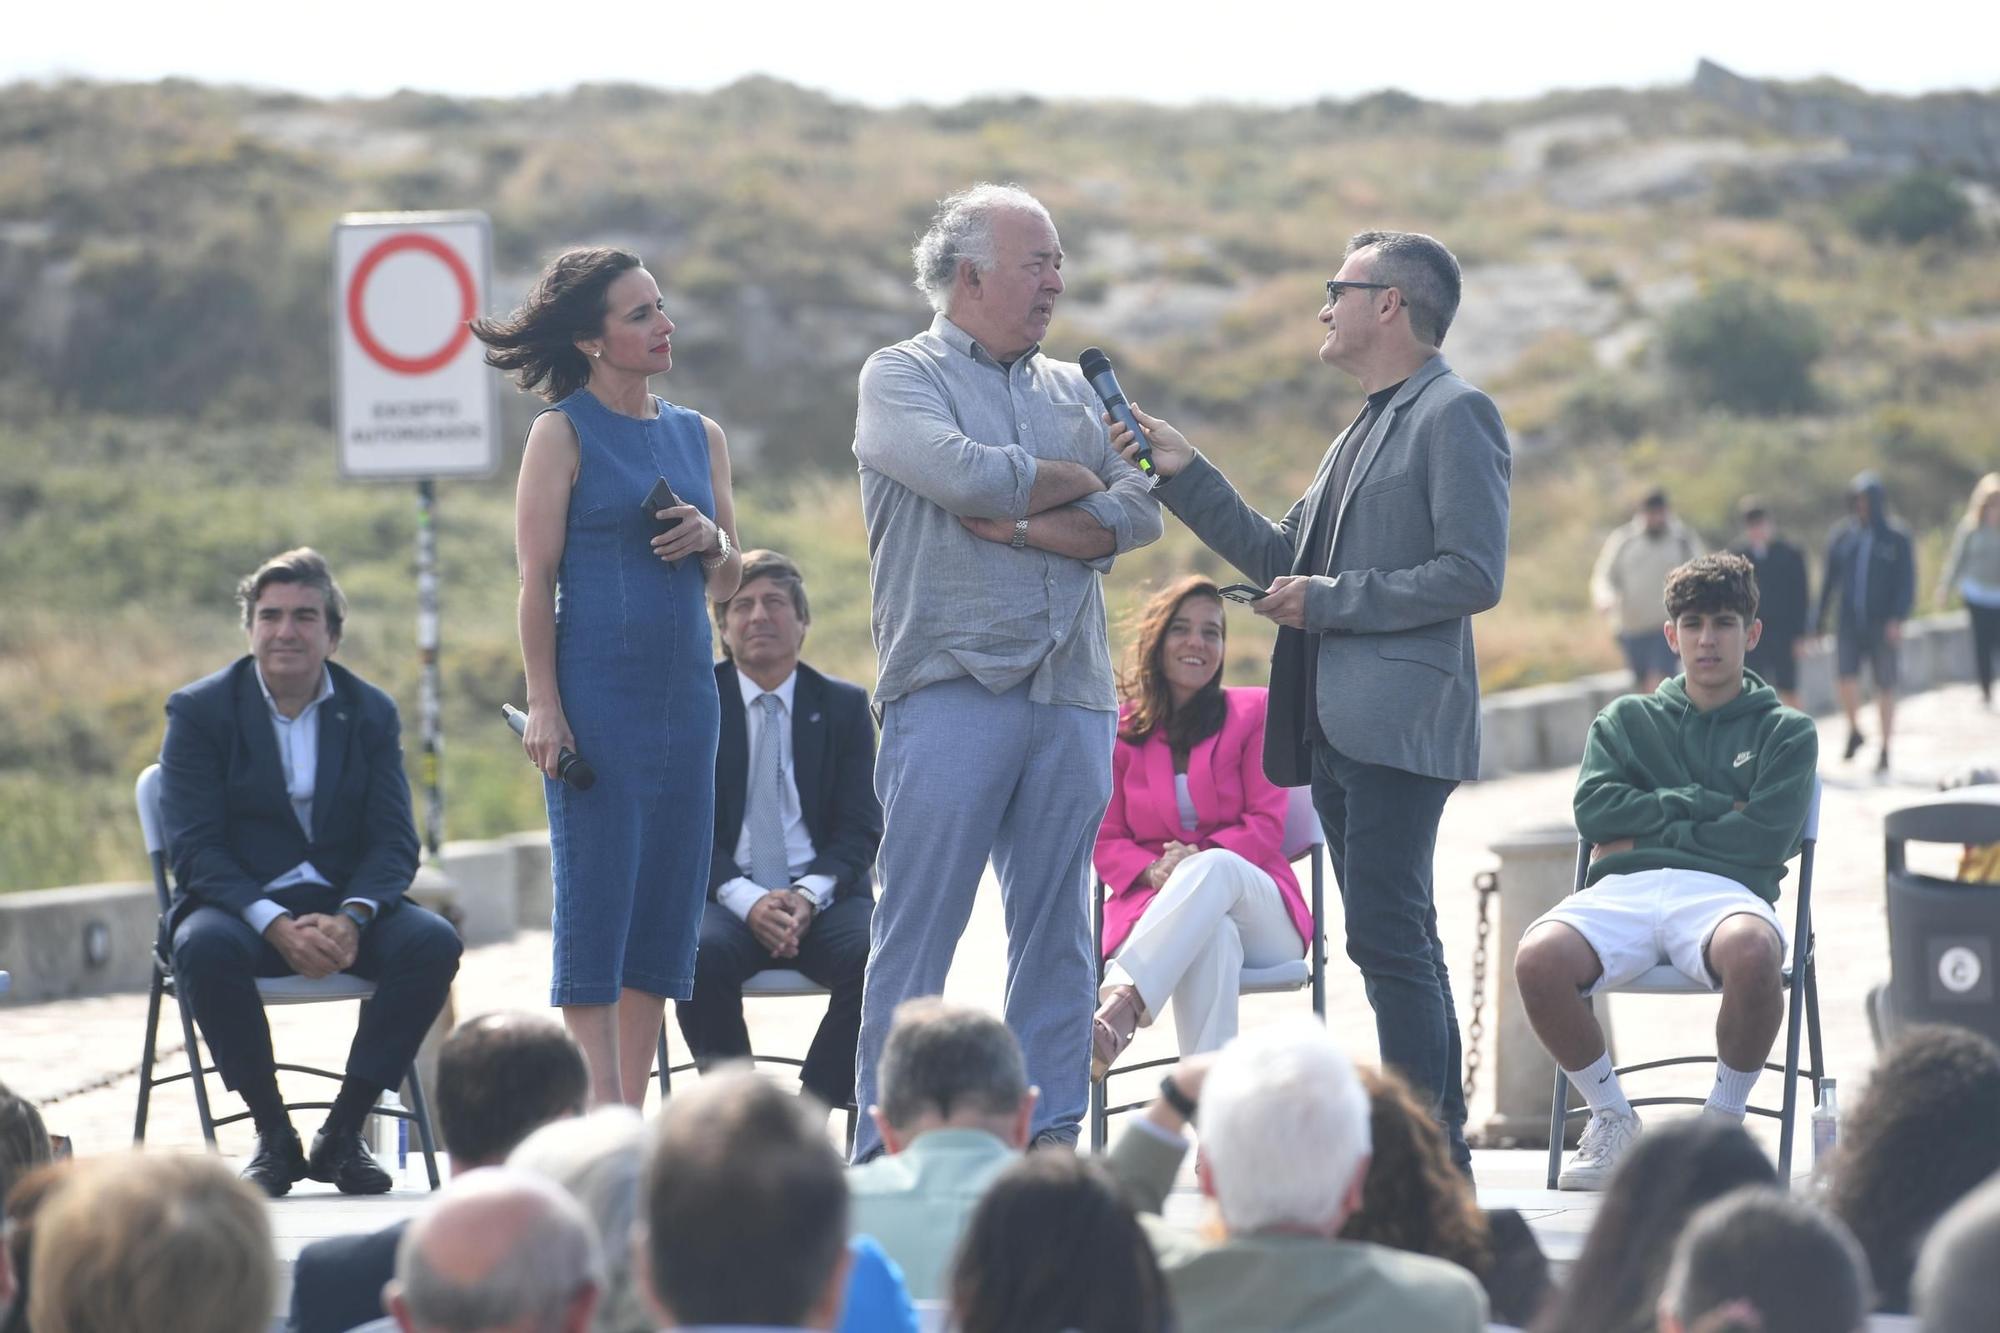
(763, 815)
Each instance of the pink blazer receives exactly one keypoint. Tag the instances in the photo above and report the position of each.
(1235, 805)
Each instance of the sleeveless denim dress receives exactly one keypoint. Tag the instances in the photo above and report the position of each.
(635, 667)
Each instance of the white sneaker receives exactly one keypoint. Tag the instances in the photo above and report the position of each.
(1605, 1139)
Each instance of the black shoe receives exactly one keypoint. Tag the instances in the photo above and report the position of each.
(343, 1161)
(1855, 740)
(278, 1163)
(1882, 761)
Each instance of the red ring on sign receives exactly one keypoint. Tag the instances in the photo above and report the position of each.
(357, 319)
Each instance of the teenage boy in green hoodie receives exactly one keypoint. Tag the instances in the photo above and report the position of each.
(1694, 797)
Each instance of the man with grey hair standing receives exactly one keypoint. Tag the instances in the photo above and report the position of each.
(498, 1251)
(955, 1111)
(1285, 1141)
(1373, 577)
(995, 505)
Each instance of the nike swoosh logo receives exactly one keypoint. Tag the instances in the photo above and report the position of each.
(1742, 759)
(1605, 1079)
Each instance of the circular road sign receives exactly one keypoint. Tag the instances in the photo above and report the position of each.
(357, 315)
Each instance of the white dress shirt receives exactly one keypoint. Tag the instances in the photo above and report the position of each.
(298, 753)
(739, 895)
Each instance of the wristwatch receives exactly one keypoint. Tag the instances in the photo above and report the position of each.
(1171, 1094)
(1020, 534)
(353, 912)
(721, 535)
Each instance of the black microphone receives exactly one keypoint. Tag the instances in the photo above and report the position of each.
(571, 767)
(1096, 367)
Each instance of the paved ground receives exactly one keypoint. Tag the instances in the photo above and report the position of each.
(77, 1055)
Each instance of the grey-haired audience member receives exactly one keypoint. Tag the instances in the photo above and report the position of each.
(1757, 1261)
(746, 1208)
(1958, 1271)
(498, 1250)
(955, 1109)
(599, 1159)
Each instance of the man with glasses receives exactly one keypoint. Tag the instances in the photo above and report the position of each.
(1373, 577)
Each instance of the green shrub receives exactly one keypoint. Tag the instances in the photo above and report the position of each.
(1743, 347)
(1922, 206)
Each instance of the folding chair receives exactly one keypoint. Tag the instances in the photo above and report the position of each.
(1801, 983)
(272, 990)
(772, 983)
(1303, 838)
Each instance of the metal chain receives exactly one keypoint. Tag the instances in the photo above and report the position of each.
(104, 1081)
(1486, 883)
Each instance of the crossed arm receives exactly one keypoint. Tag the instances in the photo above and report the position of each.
(1616, 814)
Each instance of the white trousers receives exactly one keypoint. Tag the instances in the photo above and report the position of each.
(1216, 915)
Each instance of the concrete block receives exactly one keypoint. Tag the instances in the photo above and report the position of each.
(1605, 686)
(90, 939)
(1563, 715)
(1509, 742)
(483, 879)
(1950, 640)
(534, 884)
(1816, 692)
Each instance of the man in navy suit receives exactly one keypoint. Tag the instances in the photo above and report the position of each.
(796, 826)
(289, 831)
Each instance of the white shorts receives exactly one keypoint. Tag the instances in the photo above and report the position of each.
(1636, 922)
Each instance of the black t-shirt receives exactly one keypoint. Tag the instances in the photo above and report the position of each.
(1320, 555)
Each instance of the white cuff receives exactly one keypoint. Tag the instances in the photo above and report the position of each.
(1149, 1126)
(819, 888)
(262, 913)
(739, 895)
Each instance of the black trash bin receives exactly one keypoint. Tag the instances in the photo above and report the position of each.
(1944, 934)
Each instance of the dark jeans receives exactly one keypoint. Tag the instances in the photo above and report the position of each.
(834, 953)
(410, 954)
(1381, 830)
(1985, 642)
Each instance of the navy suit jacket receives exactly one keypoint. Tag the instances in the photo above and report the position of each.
(230, 827)
(833, 766)
(337, 1283)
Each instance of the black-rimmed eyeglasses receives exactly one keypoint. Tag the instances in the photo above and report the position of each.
(1334, 287)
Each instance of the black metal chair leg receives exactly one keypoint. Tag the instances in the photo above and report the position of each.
(146, 1056)
(1558, 1120)
(660, 1054)
(420, 1107)
(195, 1074)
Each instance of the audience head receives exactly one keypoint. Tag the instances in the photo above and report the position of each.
(739, 1172)
(502, 1076)
(1958, 1271)
(598, 1159)
(1758, 1261)
(1614, 1286)
(1921, 1136)
(947, 1066)
(763, 626)
(24, 1139)
(570, 304)
(497, 1251)
(17, 1237)
(1284, 1132)
(1173, 672)
(1054, 1246)
(134, 1243)
(1413, 1198)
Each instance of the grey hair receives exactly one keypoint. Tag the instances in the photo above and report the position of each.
(1421, 269)
(1284, 1121)
(1958, 1271)
(963, 229)
(948, 1059)
(551, 1256)
(598, 1158)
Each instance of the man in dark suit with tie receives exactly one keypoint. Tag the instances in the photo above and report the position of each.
(290, 835)
(1374, 576)
(796, 827)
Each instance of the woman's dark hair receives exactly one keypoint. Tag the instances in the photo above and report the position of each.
(1759, 1261)
(1055, 1246)
(1670, 1172)
(1414, 1198)
(1923, 1134)
(538, 341)
(1144, 680)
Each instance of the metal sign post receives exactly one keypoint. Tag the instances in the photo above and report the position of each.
(414, 398)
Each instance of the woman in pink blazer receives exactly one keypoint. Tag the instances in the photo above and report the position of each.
(1192, 846)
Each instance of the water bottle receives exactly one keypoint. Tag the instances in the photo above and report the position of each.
(1825, 1129)
(389, 1136)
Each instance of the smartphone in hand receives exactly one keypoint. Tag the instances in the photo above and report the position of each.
(1242, 593)
(661, 497)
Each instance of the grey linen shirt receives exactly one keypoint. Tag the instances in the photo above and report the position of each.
(943, 430)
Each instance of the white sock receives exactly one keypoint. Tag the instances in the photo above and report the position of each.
(1731, 1094)
(1599, 1087)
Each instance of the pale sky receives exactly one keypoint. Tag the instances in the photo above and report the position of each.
(885, 52)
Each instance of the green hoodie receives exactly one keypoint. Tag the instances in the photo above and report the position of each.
(1668, 776)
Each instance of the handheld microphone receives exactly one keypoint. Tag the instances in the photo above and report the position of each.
(1096, 367)
(571, 767)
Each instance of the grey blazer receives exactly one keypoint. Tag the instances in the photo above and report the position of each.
(1419, 547)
